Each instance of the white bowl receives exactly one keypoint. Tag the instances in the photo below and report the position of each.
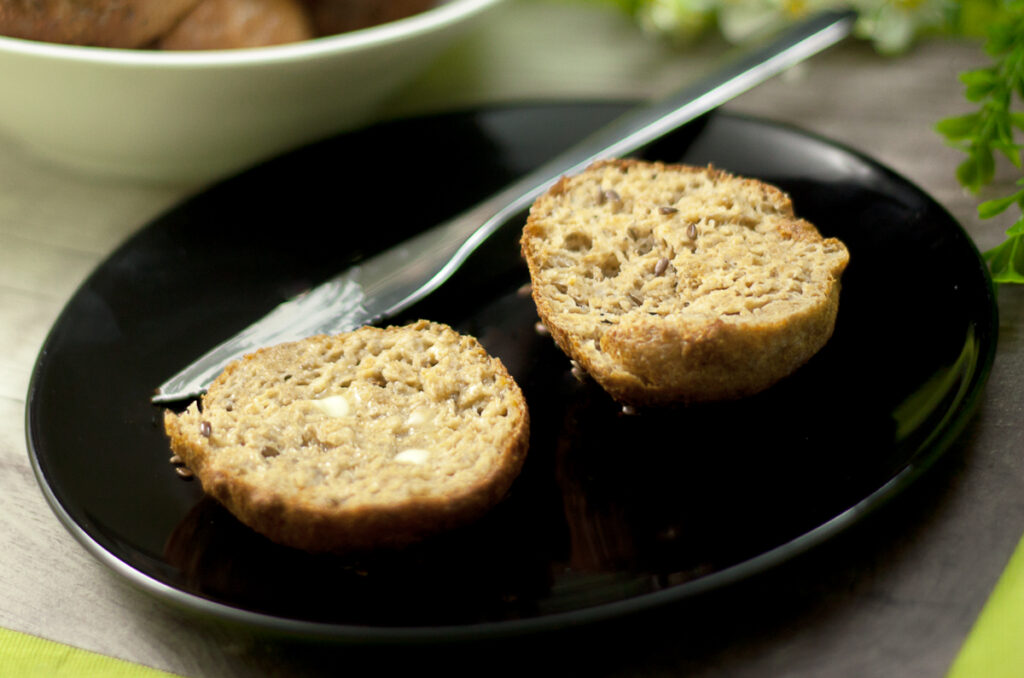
(188, 117)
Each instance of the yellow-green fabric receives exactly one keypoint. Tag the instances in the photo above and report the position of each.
(26, 656)
(995, 646)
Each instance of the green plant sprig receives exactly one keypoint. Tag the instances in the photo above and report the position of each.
(991, 129)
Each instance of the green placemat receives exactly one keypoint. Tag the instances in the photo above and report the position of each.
(995, 646)
(26, 656)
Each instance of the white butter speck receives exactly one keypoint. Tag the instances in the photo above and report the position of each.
(333, 406)
(413, 455)
(419, 416)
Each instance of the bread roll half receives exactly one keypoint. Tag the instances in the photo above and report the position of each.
(673, 283)
(374, 438)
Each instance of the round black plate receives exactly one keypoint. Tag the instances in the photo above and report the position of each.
(612, 513)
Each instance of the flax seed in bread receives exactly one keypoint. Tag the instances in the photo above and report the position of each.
(374, 438)
(673, 283)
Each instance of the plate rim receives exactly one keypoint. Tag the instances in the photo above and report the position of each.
(927, 453)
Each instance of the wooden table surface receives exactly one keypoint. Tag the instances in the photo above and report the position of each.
(895, 596)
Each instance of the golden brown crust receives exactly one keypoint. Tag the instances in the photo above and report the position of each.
(100, 23)
(339, 16)
(194, 24)
(230, 24)
(362, 511)
(671, 283)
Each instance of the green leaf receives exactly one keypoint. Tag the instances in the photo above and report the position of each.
(993, 126)
(1002, 37)
(1006, 261)
(991, 208)
(961, 126)
(976, 93)
(980, 83)
(1010, 150)
(1002, 127)
(979, 76)
(967, 175)
(977, 170)
(986, 163)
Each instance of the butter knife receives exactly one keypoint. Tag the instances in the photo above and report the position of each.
(395, 279)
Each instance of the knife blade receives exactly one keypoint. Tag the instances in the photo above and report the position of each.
(389, 282)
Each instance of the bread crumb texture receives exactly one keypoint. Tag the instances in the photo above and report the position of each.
(371, 438)
(673, 283)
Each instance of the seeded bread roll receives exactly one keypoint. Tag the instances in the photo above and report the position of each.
(374, 438)
(103, 23)
(672, 283)
(232, 24)
(338, 16)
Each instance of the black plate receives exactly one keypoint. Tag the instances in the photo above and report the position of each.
(612, 513)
